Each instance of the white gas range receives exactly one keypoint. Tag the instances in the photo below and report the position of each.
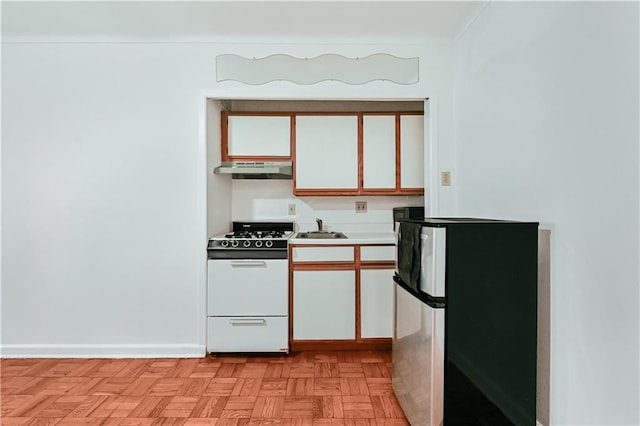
(248, 288)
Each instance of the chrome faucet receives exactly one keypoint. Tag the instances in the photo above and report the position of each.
(319, 222)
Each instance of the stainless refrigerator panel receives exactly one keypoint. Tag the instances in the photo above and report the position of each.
(433, 261)
(418, 359)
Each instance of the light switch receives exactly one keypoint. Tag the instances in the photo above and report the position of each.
(445, 178)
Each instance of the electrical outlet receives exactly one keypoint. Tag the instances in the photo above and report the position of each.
(292, 209)
(445, 178)
(361, 206)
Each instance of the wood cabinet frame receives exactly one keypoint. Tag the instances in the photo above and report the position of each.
(224, 137)
(356, 265)
(398, 158)
(360, 190)
(327, 191)
(398, 190)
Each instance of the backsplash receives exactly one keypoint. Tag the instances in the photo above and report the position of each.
(270, 199)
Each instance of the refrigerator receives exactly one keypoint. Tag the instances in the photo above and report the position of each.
(465, 302)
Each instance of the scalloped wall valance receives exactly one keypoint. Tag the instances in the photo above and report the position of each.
(332, 67)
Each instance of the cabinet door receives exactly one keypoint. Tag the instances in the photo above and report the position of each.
(379, 152)
(259, 136)
(326, 152)
(412, 151)
(376, 303)
(324, 305)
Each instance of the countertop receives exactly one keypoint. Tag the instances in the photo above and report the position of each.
(352, 238)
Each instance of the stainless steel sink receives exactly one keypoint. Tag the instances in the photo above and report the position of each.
(320, 234)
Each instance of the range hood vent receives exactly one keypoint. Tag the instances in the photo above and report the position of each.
(256, 169)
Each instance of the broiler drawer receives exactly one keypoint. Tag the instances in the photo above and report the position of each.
(248, 334)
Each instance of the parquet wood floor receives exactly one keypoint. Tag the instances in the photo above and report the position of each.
(342, 388)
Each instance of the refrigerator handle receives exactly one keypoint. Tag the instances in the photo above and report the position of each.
(433, 260)
(434, 302)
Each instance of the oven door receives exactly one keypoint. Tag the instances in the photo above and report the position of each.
(248, 287)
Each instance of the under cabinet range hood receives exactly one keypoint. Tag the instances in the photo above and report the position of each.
(256, 169)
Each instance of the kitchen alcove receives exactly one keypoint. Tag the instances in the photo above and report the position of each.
(230, 199)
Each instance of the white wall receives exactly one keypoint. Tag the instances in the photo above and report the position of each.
(219, 197)
(104, 191)
(101, 241)
(546, 128)
(270, 199)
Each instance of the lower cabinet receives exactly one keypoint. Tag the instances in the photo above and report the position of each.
(376, 303)
(324, 305)
(341, 297)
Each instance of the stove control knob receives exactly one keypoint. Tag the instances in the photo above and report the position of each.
(234, 243)
(269, 243)
(258, 243)
(224, 243)
(247, 243)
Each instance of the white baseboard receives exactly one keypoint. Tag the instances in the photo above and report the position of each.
(102, 351)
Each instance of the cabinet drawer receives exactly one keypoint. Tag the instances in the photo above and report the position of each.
(378, 253)
(323, 254)
(248, 334)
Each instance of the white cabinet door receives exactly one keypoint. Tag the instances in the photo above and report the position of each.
(376, 303)
(324, 305)
(412, 151)
(326, 152)
(379, 151)
(258, 136)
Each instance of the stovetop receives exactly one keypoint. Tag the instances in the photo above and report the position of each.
(250, 240)
(273, 235)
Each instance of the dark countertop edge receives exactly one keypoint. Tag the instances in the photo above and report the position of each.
(448, 221)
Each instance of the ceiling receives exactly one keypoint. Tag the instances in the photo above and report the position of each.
(237, 21)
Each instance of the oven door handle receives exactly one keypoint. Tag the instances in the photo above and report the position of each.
(241, 322)
(248, 264)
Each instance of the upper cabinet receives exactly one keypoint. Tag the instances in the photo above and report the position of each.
(326, 154)
(379, 152)
(411, 152)
(361, 154)
(334, 153)
(256, 137)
